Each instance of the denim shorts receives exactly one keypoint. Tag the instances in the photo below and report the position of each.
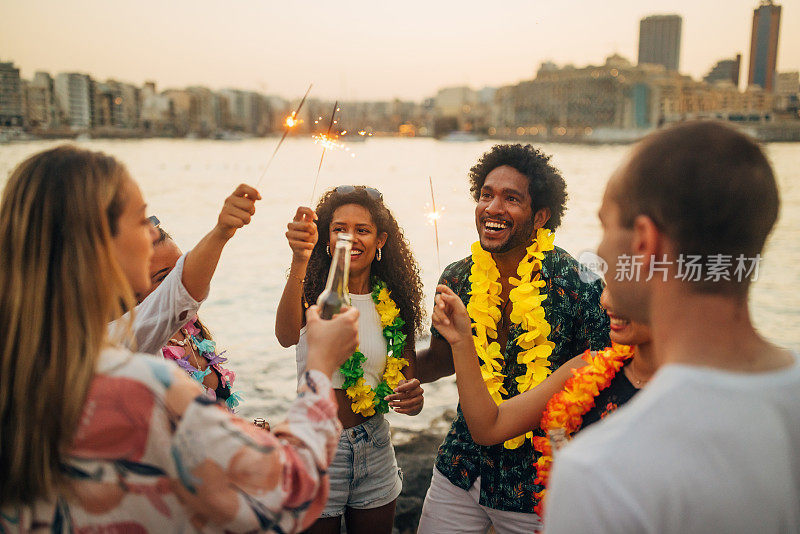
(364, 472)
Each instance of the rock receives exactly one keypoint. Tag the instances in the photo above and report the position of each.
(416, 452)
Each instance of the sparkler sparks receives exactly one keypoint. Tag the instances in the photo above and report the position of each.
(292, 120)
(328, 142)
(289, 123)
(433, 217)
(325, 140)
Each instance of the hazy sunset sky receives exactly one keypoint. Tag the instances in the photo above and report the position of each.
(361, 50)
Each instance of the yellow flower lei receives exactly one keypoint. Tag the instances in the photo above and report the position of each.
(367, 401)
(526, 311)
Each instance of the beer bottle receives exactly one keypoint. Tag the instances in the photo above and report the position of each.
(336, 293)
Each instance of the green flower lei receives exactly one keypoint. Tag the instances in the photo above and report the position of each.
(353, 372)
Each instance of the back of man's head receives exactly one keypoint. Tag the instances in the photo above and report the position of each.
(708, 187)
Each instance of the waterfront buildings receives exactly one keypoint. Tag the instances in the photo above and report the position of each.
(787, 92)
(764, 45)
(615, 101)
(117, 105)
(11, 97)
(725, 70)
(40, 102)
(75, 99)
(660, 41)
(616, 97)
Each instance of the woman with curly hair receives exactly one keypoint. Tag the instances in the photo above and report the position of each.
(96, 438)
(385, 287)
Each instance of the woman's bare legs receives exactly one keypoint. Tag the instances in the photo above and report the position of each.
(325, 525)
(372, 521)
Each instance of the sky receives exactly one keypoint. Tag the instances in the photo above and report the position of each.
(361, 50)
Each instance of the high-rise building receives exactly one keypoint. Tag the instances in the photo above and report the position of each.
(660, 40)
(11, 98)
(726, 70)
(764, 45)
(42, 108)
(75, 98)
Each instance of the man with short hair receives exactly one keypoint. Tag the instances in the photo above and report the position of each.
(520, 198)
(710, 445)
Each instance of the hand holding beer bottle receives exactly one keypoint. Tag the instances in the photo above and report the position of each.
(336, 293)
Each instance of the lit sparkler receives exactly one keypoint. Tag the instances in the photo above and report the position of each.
(326, 141)
(290, 122)
(434, 216)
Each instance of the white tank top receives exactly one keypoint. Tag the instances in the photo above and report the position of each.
(372, 344)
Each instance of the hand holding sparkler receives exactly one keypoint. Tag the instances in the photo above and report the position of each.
(302, 235)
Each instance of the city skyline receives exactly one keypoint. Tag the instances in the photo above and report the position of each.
(357, 51)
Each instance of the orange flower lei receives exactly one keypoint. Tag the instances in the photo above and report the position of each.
(566, 408)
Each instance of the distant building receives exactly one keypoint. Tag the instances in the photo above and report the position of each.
(660, 41)
(574, 102)
(196, 111)
(41, 110)
(37, 108)
(726, 70)
(463, 108)
(11, 97)
(116, 105)
(764, 45)
(107, 105)
(131, 105)
(453, 101)
(244, 111)
(615, 95)
(157, 112)
(787, 91)
(180, 108)
(75, 99)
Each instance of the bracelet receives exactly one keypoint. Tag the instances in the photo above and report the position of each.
(298, 278)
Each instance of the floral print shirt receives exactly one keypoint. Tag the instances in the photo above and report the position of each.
(207, 349)
(153, 454)
(578, 322)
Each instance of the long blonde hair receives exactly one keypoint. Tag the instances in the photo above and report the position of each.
(60, 285)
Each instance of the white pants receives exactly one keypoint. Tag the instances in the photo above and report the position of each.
(449, 509)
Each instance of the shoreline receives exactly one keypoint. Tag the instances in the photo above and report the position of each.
(779, 131)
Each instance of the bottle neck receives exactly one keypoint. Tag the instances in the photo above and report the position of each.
(340, 268)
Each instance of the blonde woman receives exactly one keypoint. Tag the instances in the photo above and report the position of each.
(96, 438)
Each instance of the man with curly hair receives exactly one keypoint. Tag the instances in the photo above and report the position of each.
(518, 192)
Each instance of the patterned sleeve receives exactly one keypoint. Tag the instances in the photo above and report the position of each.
(592, 322)
(236, 476)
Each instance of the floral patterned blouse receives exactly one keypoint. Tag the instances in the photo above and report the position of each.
(207, 349)
(153, 454)
(578, 323)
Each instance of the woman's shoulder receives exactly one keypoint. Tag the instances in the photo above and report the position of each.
(125, 367)
(127, 394)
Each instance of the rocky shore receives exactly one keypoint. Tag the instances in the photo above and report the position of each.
(415, 453)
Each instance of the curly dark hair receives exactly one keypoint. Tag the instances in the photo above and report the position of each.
(546, 186)
(397, 267)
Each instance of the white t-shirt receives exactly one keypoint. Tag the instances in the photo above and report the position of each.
(371, 343)
(159, 316)
(697, 451)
